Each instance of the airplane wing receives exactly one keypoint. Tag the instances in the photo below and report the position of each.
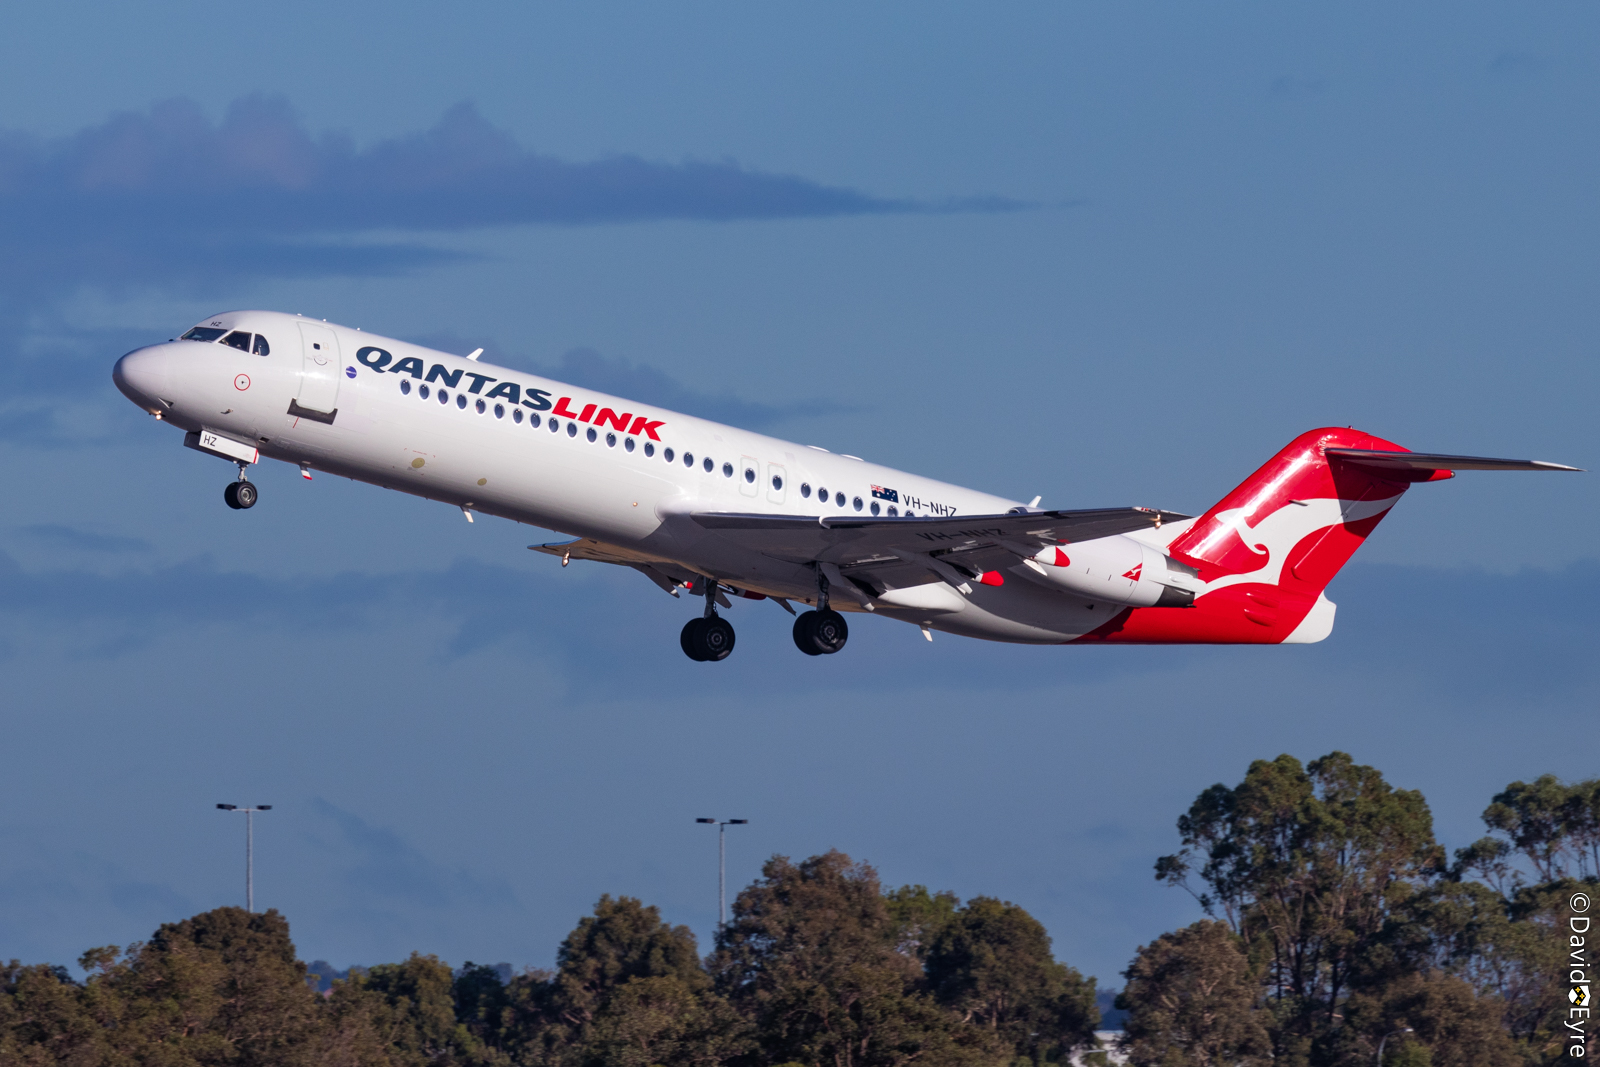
(1432, 461)
(912, 551)
(663, 573)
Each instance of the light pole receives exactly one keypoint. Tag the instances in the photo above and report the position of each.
(1403, 1030)
(249, 850)
(722, 865)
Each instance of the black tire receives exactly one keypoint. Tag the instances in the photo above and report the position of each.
(687, 639)
(829, 632)
(245, 493)
(230, 495)
(803, 634)
(713, 640)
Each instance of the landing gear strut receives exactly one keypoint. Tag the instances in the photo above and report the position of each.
(241, 494)
(710, 637)
(822, 632)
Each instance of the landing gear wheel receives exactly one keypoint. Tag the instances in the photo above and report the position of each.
(714, 639)
(688, 639)
(244, 494)
(230, 495)
(820, 633)
(803, 639)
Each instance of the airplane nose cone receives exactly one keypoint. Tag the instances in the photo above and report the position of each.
(142, 376)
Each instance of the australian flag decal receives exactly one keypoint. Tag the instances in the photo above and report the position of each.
(886, 494)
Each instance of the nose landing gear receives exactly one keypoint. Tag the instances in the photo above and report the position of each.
(241, 494)
(709, 638)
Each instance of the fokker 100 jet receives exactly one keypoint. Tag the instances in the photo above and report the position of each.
(716, 511)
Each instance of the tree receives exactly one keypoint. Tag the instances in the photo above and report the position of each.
(1191, 1000)
(627, 987)
(1307, 864)
(991, 963)
(222, 987)
(810, 958)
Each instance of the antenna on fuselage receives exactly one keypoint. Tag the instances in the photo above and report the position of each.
(476, 352)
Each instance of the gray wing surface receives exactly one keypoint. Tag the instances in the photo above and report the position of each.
(978, 542)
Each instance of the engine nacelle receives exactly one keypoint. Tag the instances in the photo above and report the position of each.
(1117, 570)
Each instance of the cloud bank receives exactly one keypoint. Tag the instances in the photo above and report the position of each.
(262, 168)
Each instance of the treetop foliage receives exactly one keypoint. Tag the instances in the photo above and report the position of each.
(1338, 931)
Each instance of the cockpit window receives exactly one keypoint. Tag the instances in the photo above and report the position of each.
(238, 339)
(262, 348)
(203, 333)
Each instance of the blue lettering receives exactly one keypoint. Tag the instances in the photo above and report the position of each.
(537, 399)
(437, 373)
(376, 358)
(508, 390)
(410, 365)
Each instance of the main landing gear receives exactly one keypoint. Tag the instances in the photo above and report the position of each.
(241, 494)
(816, 633)
(822, 632)
(710, 637)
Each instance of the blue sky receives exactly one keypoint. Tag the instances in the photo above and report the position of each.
(1110, 255)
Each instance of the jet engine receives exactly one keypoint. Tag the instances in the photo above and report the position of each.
(1117, 570)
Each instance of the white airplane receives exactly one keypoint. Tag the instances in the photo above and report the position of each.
(718, 511)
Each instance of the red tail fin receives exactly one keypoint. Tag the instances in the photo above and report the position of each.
(1267, 549)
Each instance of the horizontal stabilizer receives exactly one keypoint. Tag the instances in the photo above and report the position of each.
(1377, 459)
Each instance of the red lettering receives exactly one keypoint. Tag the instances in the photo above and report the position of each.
(561, 408)
(642, 423)
(619, 422)
(588, 409)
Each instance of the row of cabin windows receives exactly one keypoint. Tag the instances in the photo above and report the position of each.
(628, 444)
(240, 339)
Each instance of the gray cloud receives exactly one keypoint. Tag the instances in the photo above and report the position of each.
(70, 537)
(1394, 621)
(170, 196)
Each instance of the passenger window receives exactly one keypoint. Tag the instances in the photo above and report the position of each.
(405, 387)
(838, 498)
(516, 416)
(777, 482)
(805, 490)
(202, 333)
(238, 339)
(591, 435)
(874, 506)
(649, 449)
(628, 444)
(481, 406)
(708, 464)
(667, 455)
(749, 474)
(422, 391)
(572, 429)
(611, 440)
(499, 411)
(555, 425)
(727, 470)
(857, 503)
(822, 496)
(688, 459)
(892, 511)
(461, 401)
(261, 347)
